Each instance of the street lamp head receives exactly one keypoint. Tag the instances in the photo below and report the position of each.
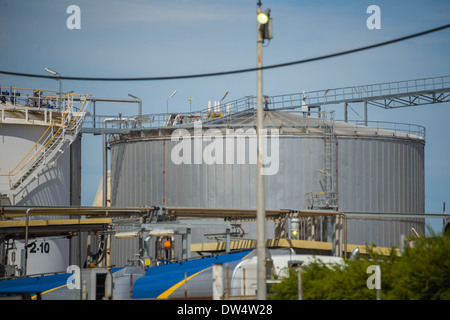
(130, 95)
(263, 17)
(173, 93)
(226, 93)
(51, 71)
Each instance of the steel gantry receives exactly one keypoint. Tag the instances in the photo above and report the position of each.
(388, 95)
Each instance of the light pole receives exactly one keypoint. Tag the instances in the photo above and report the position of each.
(190, 104)
(263, 19)
(140, 108)
(173, 93)
(60, 83)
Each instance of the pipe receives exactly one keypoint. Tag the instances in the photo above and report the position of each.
(105, 167)
(99, 255)
(146, 245)
(10, 212)
(27, 218)
(105, 158)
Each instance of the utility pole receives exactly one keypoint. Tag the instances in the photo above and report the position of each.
(263, 19)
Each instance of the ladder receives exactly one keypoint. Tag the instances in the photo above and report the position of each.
(327, 198)
(329, 172)
(58, 136)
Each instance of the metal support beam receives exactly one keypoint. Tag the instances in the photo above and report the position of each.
(365, 114)
(228, 240)
(345, 112)
(186, 244)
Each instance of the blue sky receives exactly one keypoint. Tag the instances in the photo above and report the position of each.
(138, 38)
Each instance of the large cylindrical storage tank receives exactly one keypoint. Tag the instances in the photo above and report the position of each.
(372, 169)
(54, 185)
(58, 184)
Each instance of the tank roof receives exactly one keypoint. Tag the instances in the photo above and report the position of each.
(292, 123)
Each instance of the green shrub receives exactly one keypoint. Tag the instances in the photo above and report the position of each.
(421, 272)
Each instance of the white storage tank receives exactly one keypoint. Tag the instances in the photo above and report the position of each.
(39, 167)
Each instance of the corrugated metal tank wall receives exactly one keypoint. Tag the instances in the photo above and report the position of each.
(384, 176)
(143, 174)
(375, 174)
(381, 175)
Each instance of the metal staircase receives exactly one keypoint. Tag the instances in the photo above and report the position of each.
(58, 137)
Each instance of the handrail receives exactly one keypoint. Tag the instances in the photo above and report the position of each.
(37, 142)
(230, 110)
(63, 121)
(43, 146)
(397, 127)
(82, 106)
(16, 94)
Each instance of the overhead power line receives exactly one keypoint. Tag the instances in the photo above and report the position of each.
(222, 73)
